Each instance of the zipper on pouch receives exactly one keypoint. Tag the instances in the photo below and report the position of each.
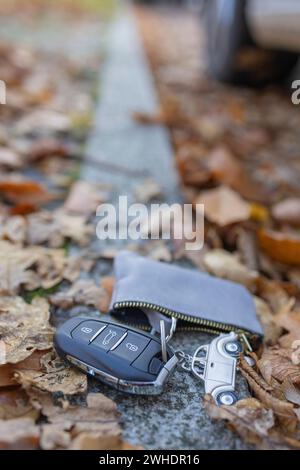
(203, 325)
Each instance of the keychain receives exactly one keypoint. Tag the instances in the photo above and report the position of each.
(215, 364)
(137, 362)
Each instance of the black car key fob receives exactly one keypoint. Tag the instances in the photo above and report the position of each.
(123, 357)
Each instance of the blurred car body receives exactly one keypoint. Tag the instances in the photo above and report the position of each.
(252, 41)
(275, 23)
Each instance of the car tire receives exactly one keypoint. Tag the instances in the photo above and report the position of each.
(233, 348)
(232, 54)
(226, 398)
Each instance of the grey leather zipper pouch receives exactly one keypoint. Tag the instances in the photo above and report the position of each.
(147, 290)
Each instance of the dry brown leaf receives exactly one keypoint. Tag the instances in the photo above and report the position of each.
(293, 275)
(108, 283)
(297, 411)
(247, 248)
(23, 208)
(291, 392)
(223, 264)
(23, 191)
(223, 206)
(273, 292)
(170, 115)
(83, 292)
(55, 436)
(20, 434)
(282, 247)
(6, 375)
(24, 328)
(288, 318)
(295, 356)
(283, 410)
(75, 264)
(50, 266)
(252, 421)
(42, 227)
(226, 169)
(147, 118)
(14, 403)
(270, 396)
(47, 147)
(74, 227)
(7, 371)
(84, 199)
(191, 164)
(209, 128)
(272, 331)
(287, 211)
(94, 426)
(55, 227)
(43, 120)
(96, 441)
(100, 411)
(250, 372)
(9, 158)
(33, 267)
(14, 268)
(54, 376)
(276, 363)
(13, 229)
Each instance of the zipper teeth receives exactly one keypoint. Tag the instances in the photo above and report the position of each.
(208, 326)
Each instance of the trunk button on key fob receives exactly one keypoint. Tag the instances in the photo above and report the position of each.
(108, 338)
(131, 346)
(86, 330)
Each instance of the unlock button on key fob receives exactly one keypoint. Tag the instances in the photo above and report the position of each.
(131, 346)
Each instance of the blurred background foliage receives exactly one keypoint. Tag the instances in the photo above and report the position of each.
(104, 7)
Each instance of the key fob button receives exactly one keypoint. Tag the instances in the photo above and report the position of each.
(155, 366)
(109, 337)
(86, 330)
(143, 361)
(131, 346)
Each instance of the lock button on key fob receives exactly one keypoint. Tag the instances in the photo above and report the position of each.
(126, 358)
(86, 330)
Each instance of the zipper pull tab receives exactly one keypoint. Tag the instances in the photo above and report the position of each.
(247, 346)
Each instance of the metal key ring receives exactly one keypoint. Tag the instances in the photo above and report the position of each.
(163, 341)
(199, 361)
(172, 329)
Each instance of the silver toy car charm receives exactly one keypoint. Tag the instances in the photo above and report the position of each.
(216, 365)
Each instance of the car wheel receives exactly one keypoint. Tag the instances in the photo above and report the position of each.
(226, 398)
(233, 348)
(232, 54)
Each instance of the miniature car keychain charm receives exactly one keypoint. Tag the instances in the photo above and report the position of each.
(216, 365)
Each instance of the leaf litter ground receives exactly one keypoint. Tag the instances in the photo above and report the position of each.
(233, 152)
